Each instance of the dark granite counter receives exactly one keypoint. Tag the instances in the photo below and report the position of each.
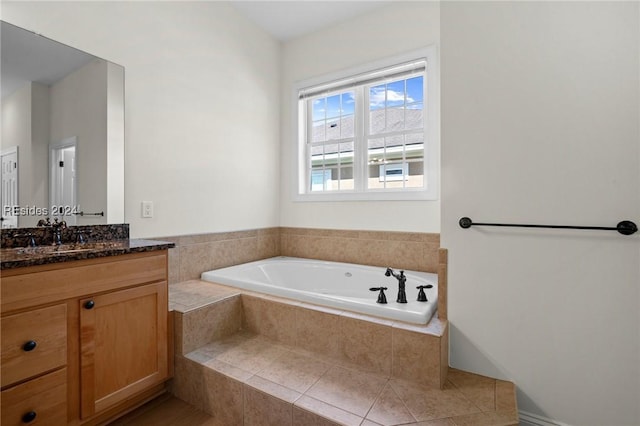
(41, 255)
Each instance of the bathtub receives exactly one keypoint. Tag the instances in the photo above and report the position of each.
(342, 286)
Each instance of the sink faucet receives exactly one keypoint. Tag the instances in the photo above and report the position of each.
(57, 227)
(402, 281)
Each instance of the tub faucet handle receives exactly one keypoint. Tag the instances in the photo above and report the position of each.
(422, 297)
(381, 296)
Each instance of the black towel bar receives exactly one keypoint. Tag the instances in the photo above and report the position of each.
(90, 214)
(626, 227)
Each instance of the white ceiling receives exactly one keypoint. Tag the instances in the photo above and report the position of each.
(26, 56)
(286, 20)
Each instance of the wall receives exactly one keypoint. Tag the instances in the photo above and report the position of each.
(25, 124)
(201, 97)
(79, 108)
(540, 124)
(332, 50)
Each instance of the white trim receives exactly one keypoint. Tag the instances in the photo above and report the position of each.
(530, 419)
(431, 134)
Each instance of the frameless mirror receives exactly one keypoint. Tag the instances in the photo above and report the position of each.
(62, 133)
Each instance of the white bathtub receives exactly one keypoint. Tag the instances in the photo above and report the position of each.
(338, 285)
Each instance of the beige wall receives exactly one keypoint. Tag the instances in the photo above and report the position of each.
(201, 107)
(364, 39)
(25, 124)
(540, 124)
(79, 108)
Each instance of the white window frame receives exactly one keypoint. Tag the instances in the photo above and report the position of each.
(431, 135)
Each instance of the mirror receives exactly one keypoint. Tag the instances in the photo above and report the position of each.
(62, 133)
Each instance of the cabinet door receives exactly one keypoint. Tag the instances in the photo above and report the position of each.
(123, 345)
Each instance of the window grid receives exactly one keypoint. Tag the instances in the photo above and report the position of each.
(384, 149)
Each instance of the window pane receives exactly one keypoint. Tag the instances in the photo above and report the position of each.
(346, 178)
(416, 174)
(318, 109)
(348, 103)
(377, 120)
(415, 89)
(395, 94)
(390, 147)
(319, 179)
(333, 129)
(414, 116)
(347, 126)
(333, 106)
(377, 97)
(414, 139)
(395, 119)
(375, 151)
(318, 131)
(346, 153)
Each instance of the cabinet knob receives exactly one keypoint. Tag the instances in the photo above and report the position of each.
(29, 346)
(89, 304)
(28, 417)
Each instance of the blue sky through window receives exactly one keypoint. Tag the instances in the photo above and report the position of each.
(333, 106)
(395, 94)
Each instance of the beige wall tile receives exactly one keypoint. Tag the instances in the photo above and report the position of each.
(221, 254)
(317, 332)
(272, 319)
(194, 260)
(506, 396)
(174, 265)
(223, 398)
(443, 291)
(212, 322)
(261, 409)
(366, 344)
(416, 357)
(306, 418)
(188, 384)
(332, 414)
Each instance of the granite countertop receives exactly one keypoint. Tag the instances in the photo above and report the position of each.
(41, 255)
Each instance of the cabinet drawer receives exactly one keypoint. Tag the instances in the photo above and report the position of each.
(40, 285)
(33, 342)
(43, 400)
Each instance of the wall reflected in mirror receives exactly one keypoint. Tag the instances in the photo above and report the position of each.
(62, 133)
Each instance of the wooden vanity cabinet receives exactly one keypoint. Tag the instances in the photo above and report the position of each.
(98, 328)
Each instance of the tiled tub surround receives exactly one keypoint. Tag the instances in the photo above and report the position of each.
(398, 250)
(253, 359)
(195, 254)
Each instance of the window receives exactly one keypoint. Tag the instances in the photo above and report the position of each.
(369, 133)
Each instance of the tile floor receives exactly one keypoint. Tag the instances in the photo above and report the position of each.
(288, 385)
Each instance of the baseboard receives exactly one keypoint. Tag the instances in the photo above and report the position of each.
(529, 419)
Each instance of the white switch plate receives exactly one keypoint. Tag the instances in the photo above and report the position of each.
(147, 209)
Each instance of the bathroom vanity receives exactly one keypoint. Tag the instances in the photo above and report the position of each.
(83, 331)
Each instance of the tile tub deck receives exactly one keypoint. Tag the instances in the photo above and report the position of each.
(241, 374)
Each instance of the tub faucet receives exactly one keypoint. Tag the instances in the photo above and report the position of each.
(402, 281)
